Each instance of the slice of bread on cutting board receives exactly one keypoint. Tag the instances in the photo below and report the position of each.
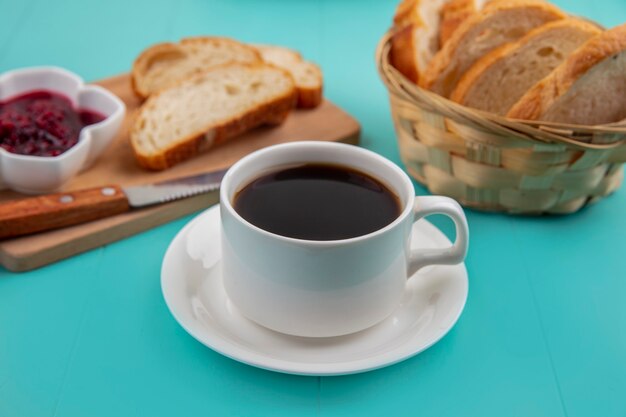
(497, 80)
(588, 88)
(187, 118)
(499, 23)
(417, 38)
(307, 75)
(165, 64)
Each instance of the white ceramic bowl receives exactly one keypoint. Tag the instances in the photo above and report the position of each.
(44, 174)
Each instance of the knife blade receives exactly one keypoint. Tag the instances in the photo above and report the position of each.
(53, 211)
(165, 191)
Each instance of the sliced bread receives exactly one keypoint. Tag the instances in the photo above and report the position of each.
(588, 88)
(500, 23)
(187, 118)
(167, 63)
(407, 12)
(497, 80)
(307, 75)
(455, 12)
(416, 39)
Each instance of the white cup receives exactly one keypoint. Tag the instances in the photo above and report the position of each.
(326, 288)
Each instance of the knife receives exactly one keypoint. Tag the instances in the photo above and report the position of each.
(53, 211)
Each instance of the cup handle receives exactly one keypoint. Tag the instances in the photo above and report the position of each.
(452, 255)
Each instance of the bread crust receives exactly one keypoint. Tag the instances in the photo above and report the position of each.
(405, 41)
(453, 14)
(308, 97)
(203, 40)
(534, 104)
(145, 59)
(442, 60)
(272, 113)
(402, 54)
(468, 80)
(406, 13)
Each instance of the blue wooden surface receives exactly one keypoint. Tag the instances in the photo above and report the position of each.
(543, 333)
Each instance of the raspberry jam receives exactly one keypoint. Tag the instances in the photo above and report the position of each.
(42, 123)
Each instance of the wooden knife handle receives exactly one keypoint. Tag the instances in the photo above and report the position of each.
(47, 212)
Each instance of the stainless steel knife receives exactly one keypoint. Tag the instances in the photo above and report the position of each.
(53, 211)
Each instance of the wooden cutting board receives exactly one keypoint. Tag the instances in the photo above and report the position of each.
(117, 166)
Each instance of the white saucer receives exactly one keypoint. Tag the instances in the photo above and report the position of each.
(192, 286)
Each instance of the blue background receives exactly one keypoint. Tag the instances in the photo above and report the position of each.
(543, 333)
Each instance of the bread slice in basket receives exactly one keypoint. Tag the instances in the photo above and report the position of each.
(307, 75)
(497, 80)
(499, 23)
(187, 118)
(417, 38)
(167, 63)
(423, 26)
(588, 88)
(455, 12)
